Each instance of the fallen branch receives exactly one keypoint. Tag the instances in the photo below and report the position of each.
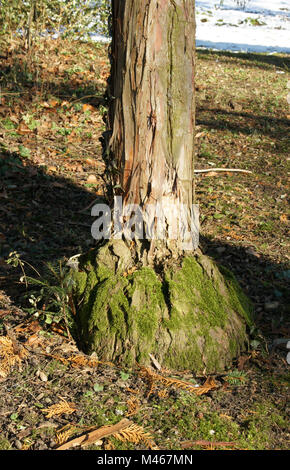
(100, 97)
(232, 170)
(96, 435)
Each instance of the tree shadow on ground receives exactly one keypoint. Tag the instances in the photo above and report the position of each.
(264, 281)
(257, 60)
(45, 218)
(266, 125)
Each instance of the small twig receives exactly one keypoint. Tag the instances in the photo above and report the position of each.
(7, 93)
(85, 97)
(89, 206)
(208, 170)
(26, 262)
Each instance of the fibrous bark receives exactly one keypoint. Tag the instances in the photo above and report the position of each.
(152, 110)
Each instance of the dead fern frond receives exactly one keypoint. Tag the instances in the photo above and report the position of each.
(134, 392)
(109, 446)
(63, 407)
(153, 378)
(136, 434)
(64, 434)
(133, 406)
(152, 386)
(58, 358)
(163, 393)
(78, 360)
(82, 361)
(10, 354)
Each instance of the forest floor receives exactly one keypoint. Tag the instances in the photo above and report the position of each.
(52, 113)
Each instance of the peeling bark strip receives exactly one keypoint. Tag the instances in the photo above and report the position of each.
(152, 109)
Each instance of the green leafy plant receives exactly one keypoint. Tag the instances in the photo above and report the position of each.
(236, 377)
(254, 21)
(30, 122)
(258, 342)
(52, 300)
(24, 151)
(15, 261)
(8, 124)
(98, 387)
(124, 375)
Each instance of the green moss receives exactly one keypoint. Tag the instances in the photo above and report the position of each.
(250, 429)
(190, 288)
(4, 443)
(205, 298)
(199, 297)
(79, 279)
(181, 359)
(191, 319)
(224, 429)
(147, 301)
(107, 312)
(183, 419)
(239, 301)
(260, 425)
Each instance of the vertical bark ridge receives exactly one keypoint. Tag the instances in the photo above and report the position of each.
(152, 113)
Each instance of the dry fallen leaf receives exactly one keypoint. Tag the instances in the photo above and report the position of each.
(199, 134)
(153, 378)
(24, 129)
(88, 107)
(53, 103)
(3, 313)
(90, 161)
(14, 119)
(34, 341)
(52, 168)
(92, 179)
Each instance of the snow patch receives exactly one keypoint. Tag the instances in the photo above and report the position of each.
(262, 26)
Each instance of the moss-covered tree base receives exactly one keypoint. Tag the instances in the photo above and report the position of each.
(189, 316)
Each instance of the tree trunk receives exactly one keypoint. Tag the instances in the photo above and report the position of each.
(152, 111)
(160, 297)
